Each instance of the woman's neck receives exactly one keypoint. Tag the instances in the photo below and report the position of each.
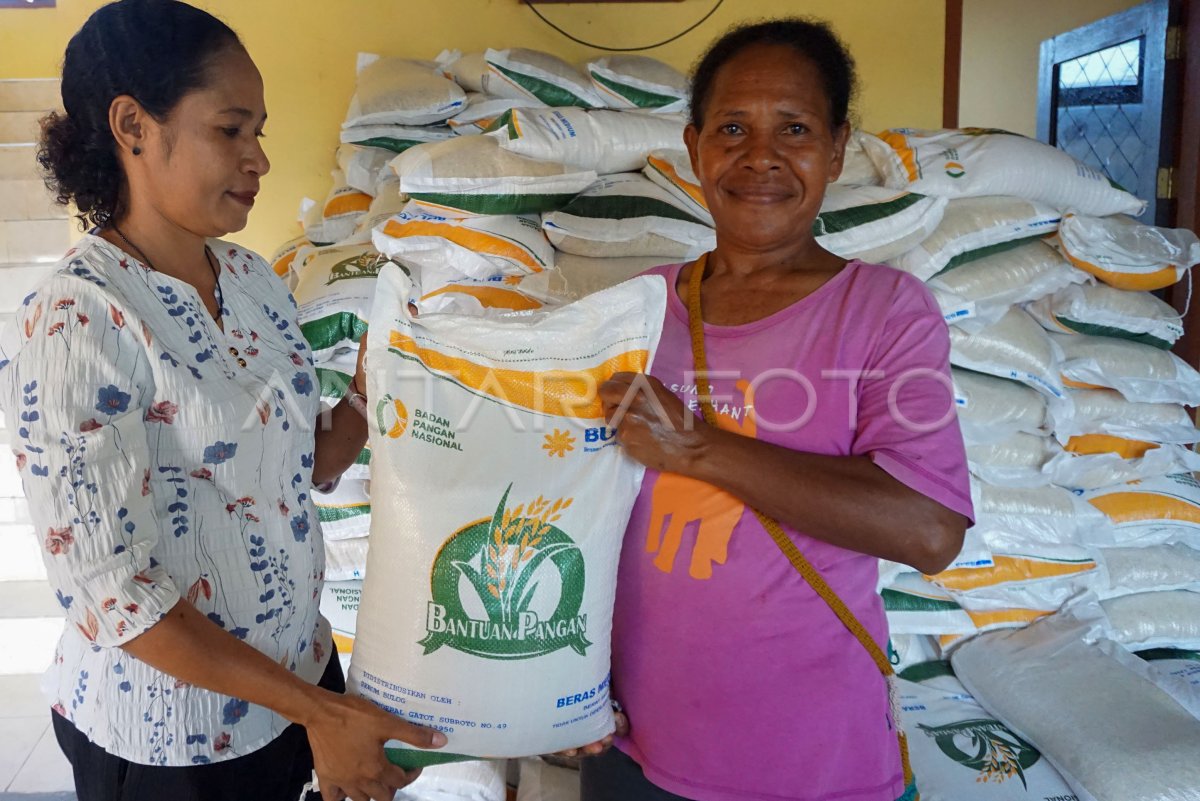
(154, 240)
(734, 259)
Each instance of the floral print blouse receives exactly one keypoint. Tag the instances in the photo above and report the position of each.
(164, 458)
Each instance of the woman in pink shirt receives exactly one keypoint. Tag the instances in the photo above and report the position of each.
(833, 415)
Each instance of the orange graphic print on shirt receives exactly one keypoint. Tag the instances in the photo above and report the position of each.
(678, 502)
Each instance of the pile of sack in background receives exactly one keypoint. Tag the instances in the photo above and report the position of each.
(510, 180)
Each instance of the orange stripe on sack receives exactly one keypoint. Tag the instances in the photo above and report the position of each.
(281, 267)
(1008, 569)
(908, 155)
(1140, 282)
(564, 393)
(692, 190)
(1000, 617)
(469, 238)
(349, 203)
(1136, 507)
(1067, 382)
(345, 645)
(490, 297)
(1106, 443)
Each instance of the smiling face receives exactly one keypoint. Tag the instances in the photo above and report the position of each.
(767, 148)
(201, 167)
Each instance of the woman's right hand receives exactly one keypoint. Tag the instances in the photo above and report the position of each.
(347, 736)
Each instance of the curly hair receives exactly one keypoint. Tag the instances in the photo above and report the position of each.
(155, 51)
(813, 39)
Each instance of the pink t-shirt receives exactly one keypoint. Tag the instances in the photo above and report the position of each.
(738, 680)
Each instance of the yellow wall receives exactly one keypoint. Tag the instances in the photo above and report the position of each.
(1000, 47)
(306, 51)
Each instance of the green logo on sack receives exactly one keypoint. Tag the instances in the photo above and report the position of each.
(492, 578)
(991, 749)
(365, 265)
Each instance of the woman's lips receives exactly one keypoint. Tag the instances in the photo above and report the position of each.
(245, 198)
(759, 194)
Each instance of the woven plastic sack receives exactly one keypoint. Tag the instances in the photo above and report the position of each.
(333, 296)
(1014, 347)
(1044, 682)
(401, 92)
(1094, 469)
(339, 605)
(1167, 619)
(1142, 373)
(482, 111)
(1125, 254)
(1041, 578)
(874, 223)
(1012, 517)
(496, 296)
(991, 409)
(344, 206)
(627, 215)
(473, 175)
(1105, 411)
(465, 69)
(982, 291)
(476, 780)
(1016, 461)
(475, 247)
(576, 277)
(388, 201)
(498, 518)
(915, 606)
(1100, 310)
(544, 77)
(1165, 509)
(858, 166)
(638, 82)
(345, 512)
(672, 170)
(600, 140)
(346, 559)
(1172, 566)
(281, 259)
(959, 751)
(394, 138)
(974, 227)
(363, 166)
(975, 162)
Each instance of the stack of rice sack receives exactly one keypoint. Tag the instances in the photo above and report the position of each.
(1065, 385)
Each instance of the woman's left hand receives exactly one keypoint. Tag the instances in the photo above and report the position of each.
(653, 425)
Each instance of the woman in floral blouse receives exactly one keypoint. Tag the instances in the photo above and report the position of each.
(168, 440)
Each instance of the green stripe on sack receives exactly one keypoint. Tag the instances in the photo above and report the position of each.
(389, 143)
(896, 601)
(364, 456)
(1157, 654)
(333, 384)
(1091, 329)
(328, 332)
(639, 97)
(923, 671)
(624, 207)
(835, 222)
(544, 91)
(504, 121)
(990, 250)
(409, 758)
(332, 514)
(498, 204)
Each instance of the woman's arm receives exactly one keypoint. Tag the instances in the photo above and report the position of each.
(341, 432)
(844, 500)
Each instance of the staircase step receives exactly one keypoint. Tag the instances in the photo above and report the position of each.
(24, 599)
(18, 162)
(20, 127)
(18, 281)
(30, 94)
(28, 644)
(22, 554)
(28, 199)
(35, 241)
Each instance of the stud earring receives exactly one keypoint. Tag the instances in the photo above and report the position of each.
(137, 151)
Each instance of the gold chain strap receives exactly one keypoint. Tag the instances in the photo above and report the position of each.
(802, 565)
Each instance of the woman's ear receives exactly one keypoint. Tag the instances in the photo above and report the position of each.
(691, 138)
(126, 119)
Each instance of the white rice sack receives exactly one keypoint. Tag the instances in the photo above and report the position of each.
(1168, 619)
(915, 606)
(1103, 311)
(601, 140)
(482, 111)
(992, 284)
(465, 69)
(346, 559)
(959, 752)
(532, 73)
(1043, 682)
(627, 215)
(339, 605)
(499, 524)
(401, 92)
(858, 167)
(906, 650)
(1014, 347)
(474, 780)
(490, 297)
(672, 170)
(975, 162)
(1106, 411)
(1017, 461)
(363, 166)
(345, 513)
(874, 223)
(394, 138)
(1016, 517)
(281, 259)
(1092, 467)
(1142, 373)
(1165, 509)
(1042, 578)
(541, 781)
(1125, 254)
(475, 247)
(990, 409)
(1172, 566)
(974, 227)
(576, 277)
(639, 82)
(473, 175)
(388, 200)
(333, 296)
(344, 206)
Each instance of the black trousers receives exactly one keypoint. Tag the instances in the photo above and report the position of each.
(613, 776)
(276, 772)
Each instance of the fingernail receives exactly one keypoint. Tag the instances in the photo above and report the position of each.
(438, 739)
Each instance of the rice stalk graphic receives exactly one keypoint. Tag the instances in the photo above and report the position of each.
(503, 579)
